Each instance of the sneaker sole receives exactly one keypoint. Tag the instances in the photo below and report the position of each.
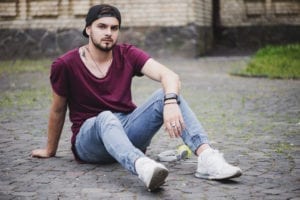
(208, 177)
(158, 178)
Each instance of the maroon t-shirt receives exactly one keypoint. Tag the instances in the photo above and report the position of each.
(87, 95)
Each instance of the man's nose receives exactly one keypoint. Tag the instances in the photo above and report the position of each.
(108, 31)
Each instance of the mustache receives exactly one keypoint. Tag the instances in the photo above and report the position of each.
(107, 39)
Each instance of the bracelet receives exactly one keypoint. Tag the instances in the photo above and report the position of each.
(169, 96)
(170, 103)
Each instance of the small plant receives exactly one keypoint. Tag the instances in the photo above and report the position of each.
(274, 62)
(283, 147)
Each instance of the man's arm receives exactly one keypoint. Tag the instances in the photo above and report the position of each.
(158, 72)
(171, 84)
(55, 126)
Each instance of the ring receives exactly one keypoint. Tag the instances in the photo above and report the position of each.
(173, 124)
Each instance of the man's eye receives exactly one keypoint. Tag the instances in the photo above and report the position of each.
(102, 27)
(115, 28)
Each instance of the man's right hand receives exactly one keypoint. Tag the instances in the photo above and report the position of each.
(41, 153)
(55, 126)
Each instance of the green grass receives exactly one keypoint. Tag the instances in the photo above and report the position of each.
(283, 147)
(274, 62)
(25, 97)
(20, 66)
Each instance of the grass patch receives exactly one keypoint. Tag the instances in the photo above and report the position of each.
(283, 147)
(20, 66)
(274, 62)
(27, 98)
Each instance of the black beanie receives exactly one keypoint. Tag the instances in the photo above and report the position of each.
(98, 11)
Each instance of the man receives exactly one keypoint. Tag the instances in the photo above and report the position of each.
(94, 82)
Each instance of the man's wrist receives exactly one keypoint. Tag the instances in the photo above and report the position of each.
(50, 152)
(170, 96)
(170, 101)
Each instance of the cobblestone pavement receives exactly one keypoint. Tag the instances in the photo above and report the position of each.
(255, 122)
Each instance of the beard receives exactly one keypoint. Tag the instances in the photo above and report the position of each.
(102, 45)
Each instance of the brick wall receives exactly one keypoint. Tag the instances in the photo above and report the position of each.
(159, 26)
(234, 13)
(53, 14)
(163, 27)
(203, 12)
(251, 24)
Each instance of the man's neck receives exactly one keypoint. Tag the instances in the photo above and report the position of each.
(99, 55)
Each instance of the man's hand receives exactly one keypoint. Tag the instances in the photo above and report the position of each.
(55, 126)
(173, 120)
(41, 153)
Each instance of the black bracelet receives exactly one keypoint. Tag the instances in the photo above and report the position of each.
(171, 103)
(169, 96)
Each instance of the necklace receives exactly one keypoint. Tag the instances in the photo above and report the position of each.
(105, 64)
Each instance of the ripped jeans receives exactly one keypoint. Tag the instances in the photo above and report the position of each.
(111, 137)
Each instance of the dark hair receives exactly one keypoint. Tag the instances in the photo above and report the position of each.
(98, 11)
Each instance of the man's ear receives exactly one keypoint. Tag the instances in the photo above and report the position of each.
(88, 30)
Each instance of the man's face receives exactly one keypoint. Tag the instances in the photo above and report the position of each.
(104, 33)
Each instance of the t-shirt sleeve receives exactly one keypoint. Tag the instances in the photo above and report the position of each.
(138, 58)
(59, 78)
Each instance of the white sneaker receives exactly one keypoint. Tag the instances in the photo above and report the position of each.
(213, 166)
(152, 174)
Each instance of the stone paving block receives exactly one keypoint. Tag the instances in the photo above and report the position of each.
(249, 119)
